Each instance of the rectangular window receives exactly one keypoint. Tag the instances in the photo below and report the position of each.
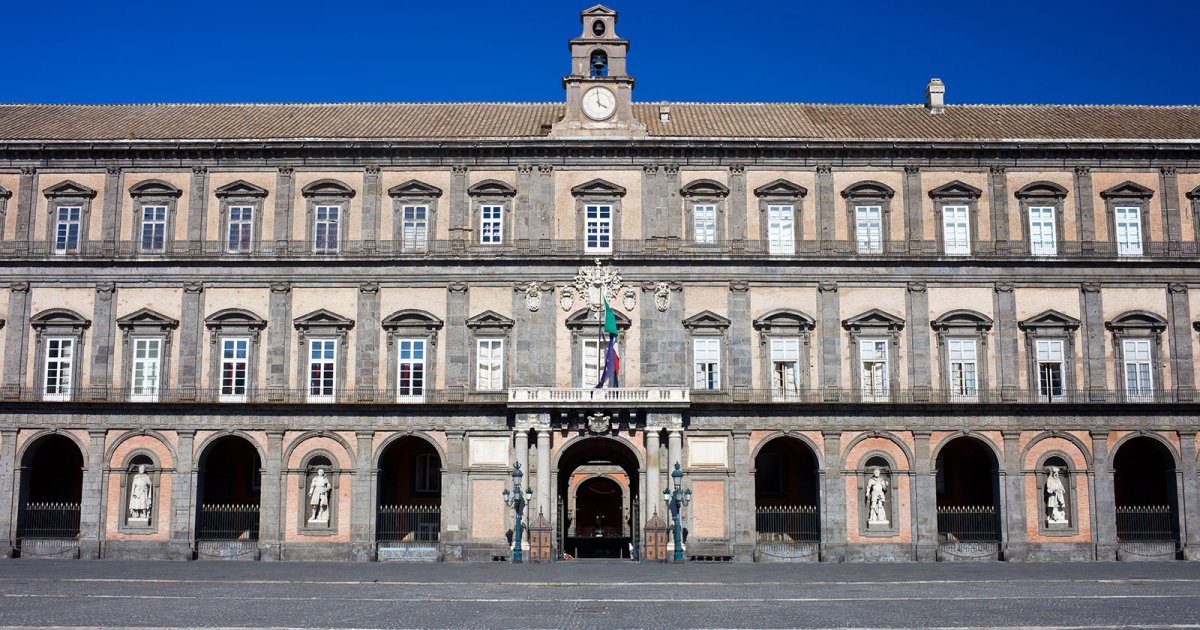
(491, 225)
(154, 229)
(873, 368)
(60, 359)
(66, 229)
(706, 363)
(955, 230)
(1129, 231)
(781, 231)
(1050, 369)
(964, 365)
(489, 360)
(235, 369)
(868, 228)
(704, 223)
(325, 229)
(1139, 383)
(410, 370)
(785, 367)
(427, 476)
(415, 231)
(322, 370)
(241, 229)
(598, 229)
(1043, 237)
(147, 361)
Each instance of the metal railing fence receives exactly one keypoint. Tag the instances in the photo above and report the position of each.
(50, 520)
(967, 523)
(1146, 523)
(786, 524)
(227, 522)
(402, 524)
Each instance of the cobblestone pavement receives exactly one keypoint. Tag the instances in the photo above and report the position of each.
(581, 594)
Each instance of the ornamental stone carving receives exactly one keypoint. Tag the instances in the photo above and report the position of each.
(877, 489)
(141, 497)
(318, 498)
(662, 296)
(595, 284)
(630, 300)
(1056, 498)
(599, 423)
(533, 294)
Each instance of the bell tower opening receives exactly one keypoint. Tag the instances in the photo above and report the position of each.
(599, 88)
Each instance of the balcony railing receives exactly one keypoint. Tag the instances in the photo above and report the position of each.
(586, 396)
(627, 249)
(921, 396)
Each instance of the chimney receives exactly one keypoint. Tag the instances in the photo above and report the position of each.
(935, 94)
(664, 112)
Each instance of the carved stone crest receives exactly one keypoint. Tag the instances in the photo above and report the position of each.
(566, 298)
(630, 300)
(592, 282)
(662, 296)
(533, 295)
(599, 423)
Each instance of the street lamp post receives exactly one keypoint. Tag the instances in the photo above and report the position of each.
(675, 501)
(517, 501)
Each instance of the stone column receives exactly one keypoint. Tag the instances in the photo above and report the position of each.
(998, 201)
(1180, 340)
(674, 452)
(914, 226)
(284, 191)
(91, 510)
(367, 343)
(736, 216)
(191, 336)
(829, 331)
(1095, 363)
(1189, 496)
(16, 347)
(372, 202)
(826, 232)
(924, 500)
(1104, 502)
(110, 220)
(653, 474)
(833, 496)
(920, 362)
(1172, 223)
(183, 497)
(197, 206)
(1085, 206)
(741, 341)
(521, 444)
(26, 200)
(279, 334)
(104, 322)
(457, 352)
(1007, 340)
(543, 469)
(744, 527)
(454, 501)
(1013, 496)
(362, 501)
(270, 534)
(9, 496)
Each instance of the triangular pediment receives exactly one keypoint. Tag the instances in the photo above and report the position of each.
(586, 318)
(956, 189)
(491, 188)
(874, 318)
(489, 319)
(784, 320)
(962, 318)
(68, 188)
(146, 318)
(1127, 190)
(154, 188)
(412, 319)
(781, 188)
(1137, 320)
(868, 189)
(414, 188)
(1041, 189)
(706, 320)
(235, 317)
(598, 188)
(599, 9)
(240, 188)
(1194, 193)
(1049, 319)
(59, 317)
(704, 188)
(327, 188)
(322, 318)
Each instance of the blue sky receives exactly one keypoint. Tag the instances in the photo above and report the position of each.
(1019, 51)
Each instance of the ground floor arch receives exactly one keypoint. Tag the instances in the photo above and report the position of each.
(787, 499)
(228, 491)
(408, 496)
(1145, 490)
(598, 510)
(51, 490)
(968, 495)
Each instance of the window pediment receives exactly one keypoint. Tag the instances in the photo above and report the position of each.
(412, 321)
(489, 321)
(706, 320)
(704, 188)
(322, 320)
(955, 190)
(598, 188)
(780, 189)
(1127, 190)
(234, 318)
(69, 188)
(1137, 321)
(240, 188)
(414, 189)
(59, 318)
(147, 319)
(1050, 320)
(583, 318)
(962, 320)
(327, 188)
(1041, 190)
(868, 189)
(874, 319)
(784, 321)
(154, 188)
(491, 188)
(1194, 193)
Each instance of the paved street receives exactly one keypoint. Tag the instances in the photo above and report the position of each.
(596, 595)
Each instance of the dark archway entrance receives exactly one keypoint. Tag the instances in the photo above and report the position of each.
(51, 490)
(229, 487)
(787, 499)
(409, 501)
(598, 477)
(968, 493)
(1146, 497)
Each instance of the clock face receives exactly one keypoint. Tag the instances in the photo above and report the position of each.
(599, 103)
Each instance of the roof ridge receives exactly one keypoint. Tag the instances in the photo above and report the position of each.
(648, 103)
(285, 104)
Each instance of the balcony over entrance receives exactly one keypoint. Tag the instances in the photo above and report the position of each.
(585, 397)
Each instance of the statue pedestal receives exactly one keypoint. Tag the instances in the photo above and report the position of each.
(138, 521)
(879, 524)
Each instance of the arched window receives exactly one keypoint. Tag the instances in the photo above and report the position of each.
(599, 63)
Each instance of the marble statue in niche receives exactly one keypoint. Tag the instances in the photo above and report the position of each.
(140, 495)
(877, 489)
(318, 498)
(1056, 498)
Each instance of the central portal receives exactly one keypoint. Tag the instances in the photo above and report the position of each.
(598, 509)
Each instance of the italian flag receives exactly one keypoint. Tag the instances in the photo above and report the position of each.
(612, 362)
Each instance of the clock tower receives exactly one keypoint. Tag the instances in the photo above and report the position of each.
(599, 90)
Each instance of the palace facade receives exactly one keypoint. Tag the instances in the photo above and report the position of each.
(861, 333)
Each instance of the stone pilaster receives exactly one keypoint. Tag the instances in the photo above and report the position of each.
(1180, 341)
(191, 335)
(1084, 205)
(284, 192)
(279, 333)
(367, 342)
(16, 346)
(454, 499)
(524, 216)
(183, 497)
(104, 323)
(1172, 222)
(914, 217)
(362, 500)
(110, 220)
(1104, 502)
(998, 202)
(197, 204)
(1189, 496)
(825, 204)
(744, 527)
(544, 204)
(673, 202)
(91, 509)
(736, 212)
(460, 204)
(653, 202)
(829, 332)
(270, 532)
(1095, 364)
(741, 341)
(924, 500)
(372, 202)
(533, 336)
(26, 200)
(920, 363)
(833, 495)
(457, 357)
(1013, 495)
(1007, 341)
(663, 359)
(8, 492)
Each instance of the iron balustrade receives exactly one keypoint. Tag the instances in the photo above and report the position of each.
(967, 523)
(401, 524)
(787, 524)
(227, 522)
(1146, 523)
(50, 520)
